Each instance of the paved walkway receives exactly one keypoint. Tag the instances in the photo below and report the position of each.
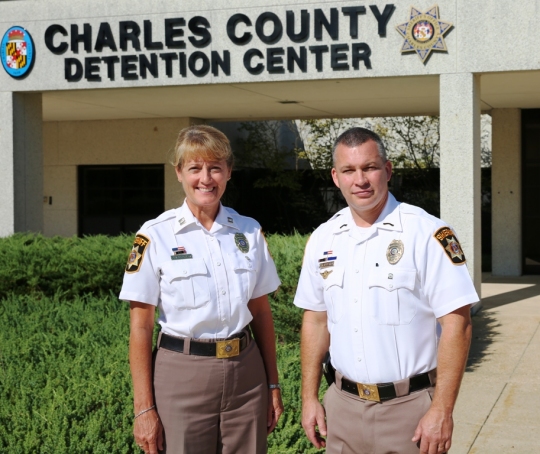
(498, 409)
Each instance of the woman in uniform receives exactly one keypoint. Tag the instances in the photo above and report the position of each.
(212, 384)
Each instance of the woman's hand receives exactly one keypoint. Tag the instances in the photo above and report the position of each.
(148, 432)
(275, 408)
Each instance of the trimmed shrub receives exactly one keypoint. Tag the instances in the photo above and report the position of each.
(65, 383)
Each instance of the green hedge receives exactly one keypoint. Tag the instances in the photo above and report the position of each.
(64, 375)
(93, 265)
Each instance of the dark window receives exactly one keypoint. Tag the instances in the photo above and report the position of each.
(531, 190)
(119, 198)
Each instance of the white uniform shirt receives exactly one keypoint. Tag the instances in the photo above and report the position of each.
(201, 280)
(382, 316)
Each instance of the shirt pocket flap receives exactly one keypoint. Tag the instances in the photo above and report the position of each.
(392, 278)
(334, 276)
(183, 269)
(241, 261)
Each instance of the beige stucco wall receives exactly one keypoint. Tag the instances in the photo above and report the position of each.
(506, 193)
(68, 144)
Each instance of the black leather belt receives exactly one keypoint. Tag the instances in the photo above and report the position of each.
(384, 391)
(220, 349)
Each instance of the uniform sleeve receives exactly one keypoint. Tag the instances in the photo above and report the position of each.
(141, 278)
(309, 293)
(267, 277)
(447, 285)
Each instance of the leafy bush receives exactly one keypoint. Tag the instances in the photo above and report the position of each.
(65, 385)
(64, 376)
(68, 266)
(94, 265)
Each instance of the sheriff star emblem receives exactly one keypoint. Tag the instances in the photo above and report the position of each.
(447, 239)
(424, 32)
(137, 253)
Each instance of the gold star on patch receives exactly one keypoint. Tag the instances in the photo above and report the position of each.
(134, 257)
(454, 249)
(424, 32)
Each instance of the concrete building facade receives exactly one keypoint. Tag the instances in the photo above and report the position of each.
(111, 83)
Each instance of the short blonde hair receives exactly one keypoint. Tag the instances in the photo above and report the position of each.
(201, 142)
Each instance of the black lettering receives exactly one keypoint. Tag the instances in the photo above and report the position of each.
(148, 65)
(73, 70)
(248, 57)
(382, 19)
(85, 37)
(91, 66)
(49, 39)
(276, 35)
(332, 26)
(128, 68)
(274, 60)
(303, 35)
(300, 60)
(105, 38)
(168, 58)
(199, 26)
(338, 57)
(318, 51)
(361, 51)
(172, 31)
(233, 21)
(353, 12)
(148, 43)
(110, 62)
(182, 64)
(223, 63)
(192, 64)
(129, 31)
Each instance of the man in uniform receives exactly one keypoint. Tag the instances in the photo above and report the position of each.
(377, 281)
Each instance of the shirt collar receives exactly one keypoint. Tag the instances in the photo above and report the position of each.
(184, 218)
(389, 219)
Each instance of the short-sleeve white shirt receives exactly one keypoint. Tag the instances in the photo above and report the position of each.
(201, 280)
(382, 317)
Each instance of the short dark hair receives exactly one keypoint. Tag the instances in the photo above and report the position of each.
(357, 136)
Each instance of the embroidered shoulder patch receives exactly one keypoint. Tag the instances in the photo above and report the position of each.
(136, 255)
(447, 239)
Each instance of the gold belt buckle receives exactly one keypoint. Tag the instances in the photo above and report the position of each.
(228, 348)
(368, 392)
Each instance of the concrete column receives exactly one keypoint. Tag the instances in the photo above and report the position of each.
(506, 192)
(21, 173)
(460, 164)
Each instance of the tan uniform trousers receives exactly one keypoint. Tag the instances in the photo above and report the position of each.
(209, 405)
(357, 426)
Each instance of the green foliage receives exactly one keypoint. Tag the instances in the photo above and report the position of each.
(67, 266)
(64, 376)
(287, 252)
(65, 384)
(289, 437)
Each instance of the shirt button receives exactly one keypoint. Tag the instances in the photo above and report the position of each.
(391, 286)
(218, 263)
(250, 266)
(223, 292)
(356, 301)
(355, 330)
(185, 271)
(359, 359)
(356, 271)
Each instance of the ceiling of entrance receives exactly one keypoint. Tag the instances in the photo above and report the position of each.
(305, 99)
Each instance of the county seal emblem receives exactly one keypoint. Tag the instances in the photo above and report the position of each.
(17, 52)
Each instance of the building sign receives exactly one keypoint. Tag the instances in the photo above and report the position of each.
(180, 47)
(17, 52)
(424, 32)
